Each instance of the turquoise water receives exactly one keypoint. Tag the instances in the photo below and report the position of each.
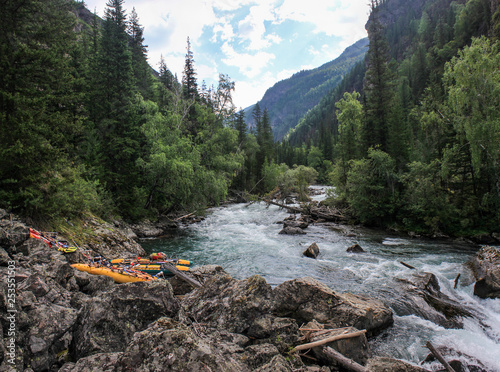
(244, 240)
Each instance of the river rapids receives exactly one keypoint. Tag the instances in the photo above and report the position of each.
(244, 240)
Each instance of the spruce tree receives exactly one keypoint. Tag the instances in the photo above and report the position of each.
(377, 86)
(140, 67)
(189, 81)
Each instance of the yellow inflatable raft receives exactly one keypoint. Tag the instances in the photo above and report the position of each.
(117, 274)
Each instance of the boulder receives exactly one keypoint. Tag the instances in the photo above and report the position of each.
(421, 295)
(230, 304)
(12, 235)
(109, 320)
(292, 231)
(312, 251)
(281, 332)
(383, 364)
(356, 248)
(171, 346)
(486, 269)
(298, 223)
(306, 299)
(200, 274)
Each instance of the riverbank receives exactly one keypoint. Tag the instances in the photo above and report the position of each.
(62, 319)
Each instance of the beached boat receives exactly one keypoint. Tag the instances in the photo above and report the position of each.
(118, 274)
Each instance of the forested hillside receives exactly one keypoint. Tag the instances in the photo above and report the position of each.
(288, 100)
(411, 138)
(86, 127)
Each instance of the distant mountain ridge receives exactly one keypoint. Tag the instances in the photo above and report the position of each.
(290, 99)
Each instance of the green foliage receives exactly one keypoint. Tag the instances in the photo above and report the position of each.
(372, 188)
(289, 180)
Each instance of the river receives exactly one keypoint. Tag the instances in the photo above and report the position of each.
(244, 240)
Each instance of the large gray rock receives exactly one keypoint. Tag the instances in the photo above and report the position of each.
(12, 234)
(108, 321)
(306, 299)
(421, 295)
(486, 269)
(171, 346)
(230, 304)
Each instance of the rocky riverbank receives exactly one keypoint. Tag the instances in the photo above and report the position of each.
(54, 318)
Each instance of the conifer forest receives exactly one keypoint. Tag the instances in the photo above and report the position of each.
(409, 138)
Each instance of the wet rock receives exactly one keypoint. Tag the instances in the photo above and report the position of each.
(227, 303)
(169, 345)
(307, 299)
(356, 248)
(383, 364)
(109, 320)
(486, 268)
(101, 362)
(421, 295)
(312, 251)
(301, 224)
(292, 231)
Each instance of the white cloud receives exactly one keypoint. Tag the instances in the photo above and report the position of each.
(250, 65)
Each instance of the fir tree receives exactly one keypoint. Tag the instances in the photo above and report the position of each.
(189, 80)
(377, 86)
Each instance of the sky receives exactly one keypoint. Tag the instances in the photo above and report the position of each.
(255, 42)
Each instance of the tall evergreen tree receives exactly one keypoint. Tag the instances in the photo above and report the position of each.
(378, 87)
(140, 66)
(189, 80)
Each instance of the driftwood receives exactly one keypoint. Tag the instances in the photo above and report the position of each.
(329, 339)
(407, 265)
(180, 274)
(344, 361)
(456, 281)
(331, 216)
(439, 357)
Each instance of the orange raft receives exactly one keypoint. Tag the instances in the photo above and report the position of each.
(117, 274)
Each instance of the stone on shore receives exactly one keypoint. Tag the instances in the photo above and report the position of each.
(486, 269)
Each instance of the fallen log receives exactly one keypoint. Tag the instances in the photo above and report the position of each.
(180, 274)
(407, 265)
(456, 281)
(344, 361)
(329, 339)
(332, 216)
(439, 357)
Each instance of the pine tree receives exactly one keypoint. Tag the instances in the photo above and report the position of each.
(189, 81)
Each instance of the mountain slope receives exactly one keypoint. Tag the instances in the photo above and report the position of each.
(289, 100)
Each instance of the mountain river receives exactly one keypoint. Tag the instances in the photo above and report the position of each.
(244, 240)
